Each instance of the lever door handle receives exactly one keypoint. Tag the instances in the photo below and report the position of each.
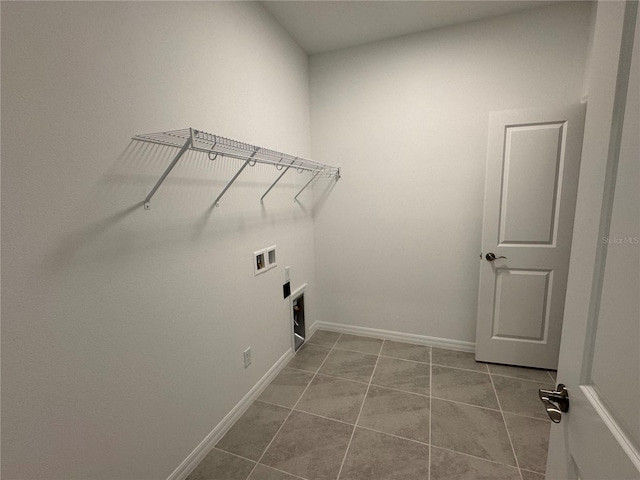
(555, 414)
(492, 256)
(555, 402)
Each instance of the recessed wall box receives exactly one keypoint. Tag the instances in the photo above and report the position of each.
(271, 257)
(264, 260)
(259, 262)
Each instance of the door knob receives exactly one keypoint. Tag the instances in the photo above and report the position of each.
(492, 256)
(555, 402)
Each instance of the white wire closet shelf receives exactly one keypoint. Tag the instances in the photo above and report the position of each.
(216, 147)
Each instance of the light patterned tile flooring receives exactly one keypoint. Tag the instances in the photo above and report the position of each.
(356, 408)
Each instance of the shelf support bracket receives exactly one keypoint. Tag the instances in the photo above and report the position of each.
(244, 165)
(183, 149)
(277, 180)
(306, 185)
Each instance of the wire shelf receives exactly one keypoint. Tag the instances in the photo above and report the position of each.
(216, 147)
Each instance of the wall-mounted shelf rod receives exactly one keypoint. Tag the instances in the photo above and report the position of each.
(306, 185)
(224, 190)
(274, 183)
(216, 147)
(183, 149)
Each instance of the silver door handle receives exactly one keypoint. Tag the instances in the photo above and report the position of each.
(555, 402)
(492, 256)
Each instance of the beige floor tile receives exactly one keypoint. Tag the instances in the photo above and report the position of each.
(407, 351)
(324, 338)
(349, 365)
(359, 344)
(333, 397)
(376, 456)
(463, 386)
(309, 446)
(402, 375)
(448, 465)
(530, 439)
(253, 431)
(219, 464)
(472, 430)
(286, 388)
(397, 413)
(453, 358)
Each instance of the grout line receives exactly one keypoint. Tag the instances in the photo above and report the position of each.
(274, 404)
(326, 418)
(323, 374)
(406, 359)
(359, 413)
(342, 378)
(552, 379)
(309, 342)
(292, 410)
(357, 351)
(323, 344)
(380, 349)
(301, 370)
(546, 420)
(393, 435)
(430, 409)
(234, 454)
(465, 404)
(532, 471)
(513, 450)
(476, 457)
(278, 470)
(461, 368)
(489, 372)
(541, 382)
(384, 387)
(489, 408)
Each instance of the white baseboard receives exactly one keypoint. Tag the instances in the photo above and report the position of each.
(397, 336)
(201, 451)
(312, 329)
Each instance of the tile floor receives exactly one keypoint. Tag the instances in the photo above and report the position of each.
(358, 408)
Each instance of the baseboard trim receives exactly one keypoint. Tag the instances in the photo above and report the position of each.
(201, 451)
(312, 330)
(397, 336)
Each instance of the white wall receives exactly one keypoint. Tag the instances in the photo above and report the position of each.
(398, 240)
(123, 329)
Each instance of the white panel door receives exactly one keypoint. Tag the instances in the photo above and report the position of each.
(599, 437)
(531, 181)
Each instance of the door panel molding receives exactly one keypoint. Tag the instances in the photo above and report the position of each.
(502, 328)
(532, 165)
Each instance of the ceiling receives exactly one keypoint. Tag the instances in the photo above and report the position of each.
(322, 26)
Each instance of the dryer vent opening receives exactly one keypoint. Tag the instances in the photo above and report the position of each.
(298, 321)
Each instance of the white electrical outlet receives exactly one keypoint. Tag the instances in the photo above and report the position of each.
(287, 274)
(247, 357)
